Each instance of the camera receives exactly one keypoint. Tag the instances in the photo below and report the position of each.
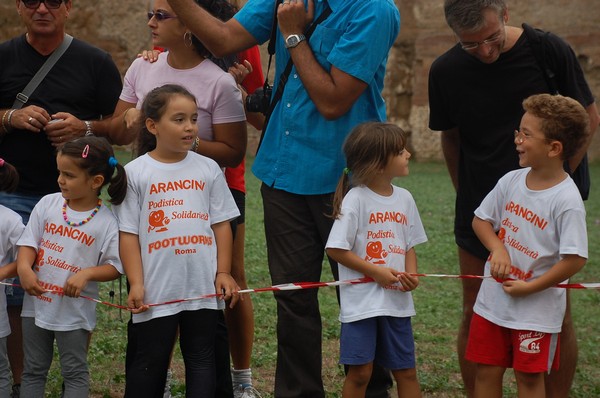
(259, 100)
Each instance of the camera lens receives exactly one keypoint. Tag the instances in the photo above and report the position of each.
(254, 101)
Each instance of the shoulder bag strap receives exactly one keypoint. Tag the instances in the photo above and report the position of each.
(23, 96)
(537, 39)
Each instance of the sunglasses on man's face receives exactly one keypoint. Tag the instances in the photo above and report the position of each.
(160, 15)
(50, 4)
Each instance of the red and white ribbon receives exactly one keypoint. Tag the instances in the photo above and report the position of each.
(312, 285)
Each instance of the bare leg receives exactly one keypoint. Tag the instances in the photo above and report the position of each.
(355, 385)
(530, 385)
(488, 381)
(469, 265)
(558, 382)
(240, 319)
(407, 383)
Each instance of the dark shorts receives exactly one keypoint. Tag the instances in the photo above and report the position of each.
(467, 240)
(465, 237)
(386, 340)
(240, 200)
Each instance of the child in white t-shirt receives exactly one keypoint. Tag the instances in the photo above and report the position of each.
(176, 243)
(533, 224)
(376, 229)
(69, 244)
(11, 228)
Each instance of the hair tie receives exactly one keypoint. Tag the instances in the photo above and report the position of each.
(346, 171)
(1, 162)
(85, 152)
(112, 162)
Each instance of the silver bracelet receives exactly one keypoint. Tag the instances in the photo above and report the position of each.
(88, 128)
(196, 144)
(4, 126)
(9, 118)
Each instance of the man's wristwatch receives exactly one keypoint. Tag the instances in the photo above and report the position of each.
(293, 40)
(88, 128)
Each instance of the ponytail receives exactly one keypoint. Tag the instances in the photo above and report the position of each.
(117, 189)
(342, 188)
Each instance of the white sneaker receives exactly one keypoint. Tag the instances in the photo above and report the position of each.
(167, 393)
(245, 391)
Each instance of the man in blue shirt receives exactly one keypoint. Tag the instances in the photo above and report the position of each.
(335, 84)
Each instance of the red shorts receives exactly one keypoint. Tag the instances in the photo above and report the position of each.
(523, 350)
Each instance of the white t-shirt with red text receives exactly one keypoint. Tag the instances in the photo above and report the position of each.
(379, 229)
(62, 251)
(171, 208)
(11, 228)
(537, 227)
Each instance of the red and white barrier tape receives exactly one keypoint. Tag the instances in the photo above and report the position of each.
(313, 285)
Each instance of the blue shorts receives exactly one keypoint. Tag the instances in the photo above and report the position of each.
(23, 205)
(386, 340)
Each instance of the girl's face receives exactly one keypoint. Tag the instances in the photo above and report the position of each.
(166, 29)
(75, 183)
(176, 130)
(397, 165)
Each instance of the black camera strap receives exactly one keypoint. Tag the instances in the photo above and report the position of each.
(283, 78)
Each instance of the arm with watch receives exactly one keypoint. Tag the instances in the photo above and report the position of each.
(59, 127)
(333, 92)
(63, 127)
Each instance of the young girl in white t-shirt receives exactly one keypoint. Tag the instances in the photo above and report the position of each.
(11, 228)
(69, 244)
(176, 243)
(376, 227)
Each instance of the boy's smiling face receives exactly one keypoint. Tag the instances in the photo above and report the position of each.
(532, 144)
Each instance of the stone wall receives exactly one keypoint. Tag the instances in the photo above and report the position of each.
(116, 26)
(120, 27)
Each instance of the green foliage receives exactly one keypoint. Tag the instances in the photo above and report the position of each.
(438, 304)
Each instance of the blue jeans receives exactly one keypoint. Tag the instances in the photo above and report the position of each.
(22, 205)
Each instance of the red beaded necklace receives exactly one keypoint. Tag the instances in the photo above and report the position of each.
(80, 223)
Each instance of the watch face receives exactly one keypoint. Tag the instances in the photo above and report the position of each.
(292, 41)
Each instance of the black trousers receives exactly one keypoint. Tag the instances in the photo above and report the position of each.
(149, 346)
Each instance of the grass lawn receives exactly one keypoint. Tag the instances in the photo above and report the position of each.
(437, 302)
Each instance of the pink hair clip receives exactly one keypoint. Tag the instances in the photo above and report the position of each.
(1, 162)
(86, 151)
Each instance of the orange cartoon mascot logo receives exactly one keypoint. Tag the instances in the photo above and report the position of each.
(375, 252)
(502, 234)
(158, 221)
(39, 260)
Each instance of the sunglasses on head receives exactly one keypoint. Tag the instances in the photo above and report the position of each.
(160, 15)
(50, 4)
